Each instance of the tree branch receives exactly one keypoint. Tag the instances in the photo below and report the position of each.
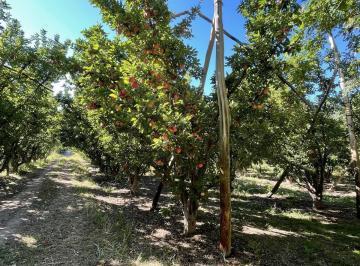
(293, 89)
(230, 36)
(179, 14)
(28, 77)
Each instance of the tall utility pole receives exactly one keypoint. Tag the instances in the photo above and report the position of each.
(224, 140)
(354, 163)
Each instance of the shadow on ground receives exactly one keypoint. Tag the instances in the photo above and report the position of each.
(108, 226)
(284, 230)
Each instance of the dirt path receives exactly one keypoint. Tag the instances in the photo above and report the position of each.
(15, 210)
(45, 224)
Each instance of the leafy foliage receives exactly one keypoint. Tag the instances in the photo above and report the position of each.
(29, 118)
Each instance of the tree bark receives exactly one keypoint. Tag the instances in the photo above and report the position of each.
(224, 140)
(354, 161)
(189, 222)
(279, 182)
(157, 196)
(133, 184)
(317, 201)
(315, 188)
(190, 207)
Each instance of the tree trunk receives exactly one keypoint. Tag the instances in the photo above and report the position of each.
(189, 222)
(15, 167)
(133, 184)
(224, 138)
(354, 163)
(316, 201)
(314, 185)
(6, 165)
(279, 182)
(157, 196)
(190, 207)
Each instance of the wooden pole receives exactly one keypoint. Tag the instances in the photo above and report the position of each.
(224, 140)
(207, 60)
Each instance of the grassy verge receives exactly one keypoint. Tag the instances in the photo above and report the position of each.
(15, 182)
(285, 230)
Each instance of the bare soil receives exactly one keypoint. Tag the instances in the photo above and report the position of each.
(44, 224)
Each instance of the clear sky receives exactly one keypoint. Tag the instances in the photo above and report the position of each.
(69, 17)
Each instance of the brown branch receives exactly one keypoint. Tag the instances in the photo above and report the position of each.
(293, 89)
(28, 77)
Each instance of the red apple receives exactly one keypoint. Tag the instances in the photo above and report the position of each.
(199, 165)
(135, 85)
(172, 129)
(123, 93)
(165, 137)
(159, 162)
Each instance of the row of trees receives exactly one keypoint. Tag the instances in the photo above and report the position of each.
(140, 103)
(135, 107)
(28, 111)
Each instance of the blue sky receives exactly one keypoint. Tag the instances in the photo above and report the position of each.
(69, 17)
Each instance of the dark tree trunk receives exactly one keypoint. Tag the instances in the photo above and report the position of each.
(316, 201)
(7, 169)
(15, 167)
(316, 189)
(280, 180)
(133, 184)
(157, 196)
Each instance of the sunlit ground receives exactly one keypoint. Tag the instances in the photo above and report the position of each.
(74, 219)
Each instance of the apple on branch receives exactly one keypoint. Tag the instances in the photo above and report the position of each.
(172, 129)
(123, 93)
